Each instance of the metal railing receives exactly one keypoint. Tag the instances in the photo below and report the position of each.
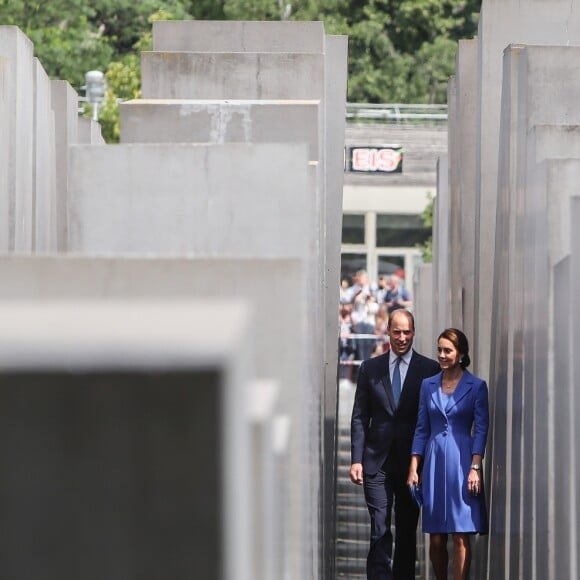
(396, 113)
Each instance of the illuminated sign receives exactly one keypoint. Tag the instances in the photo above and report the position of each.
(374, 159)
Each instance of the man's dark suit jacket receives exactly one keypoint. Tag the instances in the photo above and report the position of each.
(377, 425)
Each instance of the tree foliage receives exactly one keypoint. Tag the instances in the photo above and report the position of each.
(399, 50)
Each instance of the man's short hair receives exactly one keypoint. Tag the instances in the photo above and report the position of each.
(404, 312)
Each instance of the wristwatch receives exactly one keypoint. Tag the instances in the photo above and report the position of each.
(475, 466)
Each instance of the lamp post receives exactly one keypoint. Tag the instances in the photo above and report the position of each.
(95, 88)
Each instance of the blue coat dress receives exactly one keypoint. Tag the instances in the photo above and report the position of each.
(446, 441)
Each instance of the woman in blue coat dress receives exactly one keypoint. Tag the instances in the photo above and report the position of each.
(448, 448)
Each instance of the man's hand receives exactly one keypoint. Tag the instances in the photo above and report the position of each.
(356, 473)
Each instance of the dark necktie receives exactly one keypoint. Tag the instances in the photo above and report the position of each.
(396, 383)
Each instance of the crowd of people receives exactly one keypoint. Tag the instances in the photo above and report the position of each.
(363, 314)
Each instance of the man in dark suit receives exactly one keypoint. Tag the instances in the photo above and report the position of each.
(383, 423)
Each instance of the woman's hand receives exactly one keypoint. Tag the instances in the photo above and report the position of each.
(474, 482)
(413, 478)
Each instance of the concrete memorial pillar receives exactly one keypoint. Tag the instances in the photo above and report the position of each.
(265, 285)
(454, 275)
(257, 58)
(178, 199)
(269, 505)
(222, 121)
(573, 562)
(442, 315)
(43, 202)
(423, 310)
(124, 446)
(503, 22)
(17, 49)
(89, 132)
(465, 139)
(65, 105)
(529, 228)
(4, 157)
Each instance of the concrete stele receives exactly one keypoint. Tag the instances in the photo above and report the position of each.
(4, 157)
(223, 121)
(423, 310)
(466, 85)
(44, 198)
(553, 181)
(441, 248)
(575, 377)
(265, 285)
(268, 504)
(178, 200)
(100, 372)
(89, 132)
(18, 50)
(238, 36)
(522, 253)
(65, 106)
(191, 75)
(503, 22)
(454, 275)
(336, 56)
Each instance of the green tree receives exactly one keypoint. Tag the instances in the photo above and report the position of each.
(124, 81)
(66, 40)
(125, 21)
(403, 50)
(206, 9)
(255, 10)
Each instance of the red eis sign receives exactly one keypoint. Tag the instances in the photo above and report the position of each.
(381, 159)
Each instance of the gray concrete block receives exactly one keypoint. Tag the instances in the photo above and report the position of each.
(109, 410)
(454, 289)
(501, 23)
(466, 143)
(574, 368)
(18, 50)
(425, 340)
(65, 105)
(273, 289)
(89, 132)
(191, 75)
(43, 203)
(564, 417)
(335, 126)
(553, 142)
(233, 36)
(267, 284)
(4, 157)
(532, 235)
(190, 121)
(268, 503)
(441, 250)
(180, 200)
